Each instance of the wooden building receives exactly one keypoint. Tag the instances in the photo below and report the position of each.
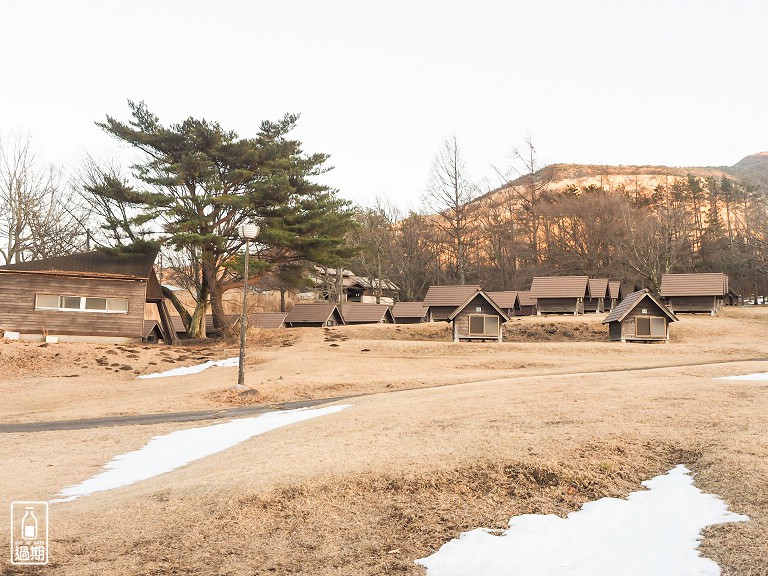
(614, 294)
(477, 318)
(702, 293)
(640, 317)
(560, 294)
(410, 312)
(357, 313)
(598, 294)
(443, 300)
(527, 303)
(508, 301)
(324, 314)
(87, 297)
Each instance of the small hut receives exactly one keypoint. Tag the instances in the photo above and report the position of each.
(598, 293)
(477, 318)
(560, 294)
(443, 300)
(614, 294)
(314, 315)
(640, 318)
(356, 313)
(508, 301)
(704, 293)
(410, 312)
(527, 303)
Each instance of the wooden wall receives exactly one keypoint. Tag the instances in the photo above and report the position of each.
(18, 314)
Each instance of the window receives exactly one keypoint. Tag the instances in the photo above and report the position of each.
(81, 304)
(650, 327)
(483, 325)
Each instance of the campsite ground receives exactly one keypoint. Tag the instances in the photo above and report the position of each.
(440, 438)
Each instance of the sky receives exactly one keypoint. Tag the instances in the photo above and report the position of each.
(380, 86)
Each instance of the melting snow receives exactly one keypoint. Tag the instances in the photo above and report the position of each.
(166, 453)
(650, 533)
(196, 369)
(760, 376)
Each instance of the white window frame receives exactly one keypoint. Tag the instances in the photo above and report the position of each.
(81, 307)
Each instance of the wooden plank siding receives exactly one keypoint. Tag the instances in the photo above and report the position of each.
(18, 314)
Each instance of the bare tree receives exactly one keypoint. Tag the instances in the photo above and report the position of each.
(450, 195)
(40, 215)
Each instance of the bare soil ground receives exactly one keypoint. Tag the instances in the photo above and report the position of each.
(439, 438)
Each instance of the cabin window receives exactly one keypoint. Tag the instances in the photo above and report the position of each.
(81, 304)
(650, 327)
(483, 325)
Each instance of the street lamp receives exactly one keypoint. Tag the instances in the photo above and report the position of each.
(248, 232)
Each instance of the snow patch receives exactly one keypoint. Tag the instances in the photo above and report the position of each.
(196, 369)
(759, 377)
(651, 532)
(166, 453)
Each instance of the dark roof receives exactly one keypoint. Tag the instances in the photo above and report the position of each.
(631, 301)
(525, 298)
(268, 319)
(598, 287)
(359, 313)
(559, 286)
(312, 313)
(614, 289)
(92, 263)
(452, 295)
(505, 299)
(483, 295)
(409, 310)
(711, 284)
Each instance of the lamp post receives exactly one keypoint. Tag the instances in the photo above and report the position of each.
(248, 232)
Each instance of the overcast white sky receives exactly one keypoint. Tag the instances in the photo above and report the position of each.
(381, 85)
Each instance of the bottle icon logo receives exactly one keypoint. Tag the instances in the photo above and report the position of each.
(29, 524)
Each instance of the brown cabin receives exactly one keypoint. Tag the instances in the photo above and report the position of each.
(598, 293)
(508, 301)
(410, 312)
(527, 303)
(314, 315)
(614, 294)
(478, 318)
(640, 318)
(443, 300)
(87, 297)
(560, 294)
(698, 293)
(357, 313)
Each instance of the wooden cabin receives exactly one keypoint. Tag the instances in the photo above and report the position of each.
(357, 313)
(478, 318)
(508, 301)
(314, 315)
(700, 293)
(560, 294)
(527, 303)
(598, 294)
(410, 312)
(87, 297)
(640, 317)
(443, 300)
(614, 294)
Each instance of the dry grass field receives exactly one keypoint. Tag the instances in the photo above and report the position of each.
(439, 438)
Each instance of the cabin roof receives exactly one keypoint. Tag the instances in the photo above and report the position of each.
(312, 313)
(709, 284)
(364, 313)
(631, 301)
(559, 287)
(451, 295)
(409, 310)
